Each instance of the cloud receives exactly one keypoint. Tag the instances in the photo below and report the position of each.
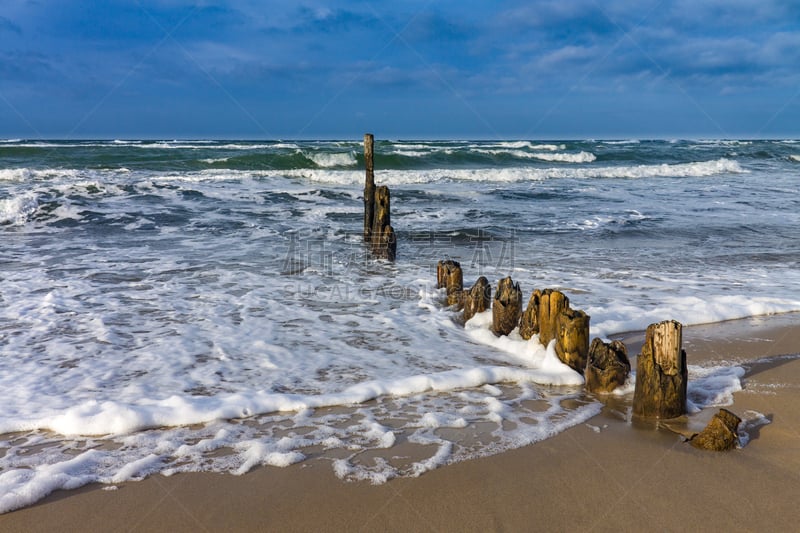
(6, 26)
(24, 66)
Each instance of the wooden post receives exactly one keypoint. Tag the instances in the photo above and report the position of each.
(661, 373)
(384, 243)
(551, 303)
(369, 186)
(449, 276)
(478, 299)
(529, 325)
(572, 338)
(607, 366)
(507, 307)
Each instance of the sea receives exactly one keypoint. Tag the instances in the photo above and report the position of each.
(209, 305)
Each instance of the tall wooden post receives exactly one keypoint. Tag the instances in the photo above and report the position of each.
(661, 373)
(369, 186)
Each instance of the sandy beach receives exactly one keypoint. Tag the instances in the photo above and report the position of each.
(606, 475)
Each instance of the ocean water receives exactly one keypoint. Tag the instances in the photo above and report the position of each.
(180, 306)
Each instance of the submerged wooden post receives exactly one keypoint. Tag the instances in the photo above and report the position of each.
(478, 299)
(507, 307)
(369, 186)
(661, 373)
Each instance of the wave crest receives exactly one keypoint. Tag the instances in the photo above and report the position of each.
(19, 209)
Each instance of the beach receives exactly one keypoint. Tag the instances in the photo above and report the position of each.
(609, 474)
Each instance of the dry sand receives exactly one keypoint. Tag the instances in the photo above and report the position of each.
(625, 476)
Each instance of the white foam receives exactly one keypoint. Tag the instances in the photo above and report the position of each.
(751, 422)
(138, 469)
(18, 210)
(547, 369)
(794, 157)
(519, 145)
(551, 147)
(28, 174)
(688, 309)
(15, 174)
(580, 157)
(410, 153)
(521, 174)
(21, 487)
(712, 386)
(201, 145)
(327, 159)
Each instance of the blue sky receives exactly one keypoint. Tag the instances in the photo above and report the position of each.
(406, 69)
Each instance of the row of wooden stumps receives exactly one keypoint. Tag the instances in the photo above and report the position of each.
(378, 231)
(661, 375)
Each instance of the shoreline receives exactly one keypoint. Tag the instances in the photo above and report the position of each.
(607, 473)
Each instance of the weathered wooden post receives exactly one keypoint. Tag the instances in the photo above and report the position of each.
(607, 366)
(572, 338)
(384, 243)
(449, 276)
(661, 373)
(369, 186)
(478, 299)
(529, 324)
(507, 307)
(551, 303)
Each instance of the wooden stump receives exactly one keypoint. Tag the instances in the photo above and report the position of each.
(384, 243)
(369, 186)
(478, 299)
(661, 374)
(607, 366)
(507, 307)
(551, 304)
(529, 325)
(572, 338)
(720, 435)
(450, 277)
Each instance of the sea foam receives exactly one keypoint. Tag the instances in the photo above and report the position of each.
(521, 174)
(18, 210)
(326, 159)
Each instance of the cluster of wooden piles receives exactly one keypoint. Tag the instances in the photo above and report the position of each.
(661, 376)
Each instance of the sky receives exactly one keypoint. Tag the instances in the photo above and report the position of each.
(563, 69)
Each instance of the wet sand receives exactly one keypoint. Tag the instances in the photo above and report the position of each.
(607, 475)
